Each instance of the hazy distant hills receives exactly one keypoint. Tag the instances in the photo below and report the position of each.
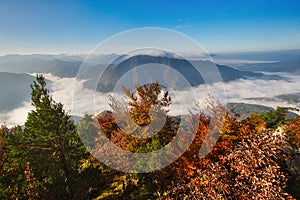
(293, 98)
(15, 89)
(57, 67)
(272, 61)
(279, 55)
(245, 109)
(115, 71)
(290, 66)
(67, 65)
(14, 86)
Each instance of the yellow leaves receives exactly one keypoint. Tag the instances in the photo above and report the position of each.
(140, 103)
(85, 163)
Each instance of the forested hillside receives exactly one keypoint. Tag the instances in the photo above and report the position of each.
(255, 157)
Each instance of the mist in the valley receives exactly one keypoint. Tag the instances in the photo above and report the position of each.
(255, 91)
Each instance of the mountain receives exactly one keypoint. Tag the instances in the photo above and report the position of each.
(279, 55)
(61, 68)
(15, 82)
(15, 89)
(290, 66)
(55, 66)
(115, 71)
(292, 98)
(246, 109)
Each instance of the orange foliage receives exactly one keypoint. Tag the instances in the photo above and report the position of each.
(293, 131)
(190, 174)
(188, 168)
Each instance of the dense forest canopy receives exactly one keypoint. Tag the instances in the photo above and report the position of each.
(255, 156)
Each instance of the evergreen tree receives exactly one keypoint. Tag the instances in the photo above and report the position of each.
(13, 182)
(275, 118)
(87, 131)
(52, 143)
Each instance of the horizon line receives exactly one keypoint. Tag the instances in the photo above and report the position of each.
(110, 53)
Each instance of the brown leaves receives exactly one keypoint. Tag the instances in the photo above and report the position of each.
(249, 171)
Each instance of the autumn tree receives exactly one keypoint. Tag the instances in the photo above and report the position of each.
(147, 98)
(245, 155)
(143, 107)
(249, 171)
(129, 124)
(292, 129)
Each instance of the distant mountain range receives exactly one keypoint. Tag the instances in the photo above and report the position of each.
(293, 98)
(14, 89)
(277, 55)
(289, 66)
(57, 67)
(14, 82)
(115, 71)
(245, 109)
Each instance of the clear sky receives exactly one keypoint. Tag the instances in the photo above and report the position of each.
(71, 26)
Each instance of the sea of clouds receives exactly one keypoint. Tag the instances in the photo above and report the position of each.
(91, 102)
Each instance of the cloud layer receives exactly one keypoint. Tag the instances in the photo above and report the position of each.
(62, 90)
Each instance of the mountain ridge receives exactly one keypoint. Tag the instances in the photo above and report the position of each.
(184, 67)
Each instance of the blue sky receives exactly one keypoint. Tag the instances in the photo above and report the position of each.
(74, 27)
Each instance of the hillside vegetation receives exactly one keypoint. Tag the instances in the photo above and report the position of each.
(255, 157)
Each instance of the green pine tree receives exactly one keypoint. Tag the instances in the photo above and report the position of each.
(52, 143)
(13, 182)
(275, 118)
